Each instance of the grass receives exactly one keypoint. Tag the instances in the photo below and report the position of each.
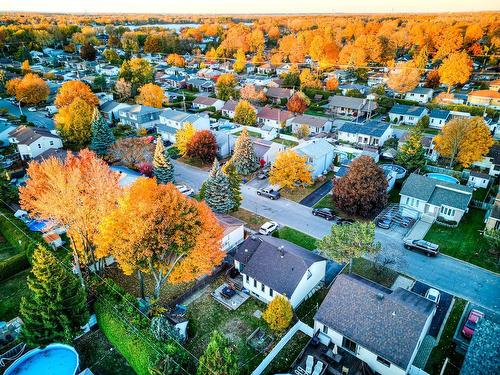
(6, 250)
(11, 292)
(364, 267)
(282, 362)
(285, 142)
(307, 309)
(252, 220)
(465, 242)
(479, 194)
(296, 237)
(446, 346)
(250, 133)
(300, 193)
(326, 201)
(205, 315)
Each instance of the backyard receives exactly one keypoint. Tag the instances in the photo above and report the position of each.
(284, 359)
(466, 241)
(285, 142)
(11, 292)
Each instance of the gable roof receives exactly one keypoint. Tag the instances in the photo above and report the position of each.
(27, 135)
(139, 109)
(386, 323)
(483, 355)
(279, 93)
(205, 100)
(403, 109)
(352, 103)
(372, 128)
(494, 154)
(277, 263)
(275, 114)
(421, 90)
(179, 116)
(486, 94)
(439, 113)
(314, 148)
(312, 121)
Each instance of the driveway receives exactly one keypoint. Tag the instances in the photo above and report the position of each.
(38, 118)
(419, 230)
(317, 194)
(443, 272)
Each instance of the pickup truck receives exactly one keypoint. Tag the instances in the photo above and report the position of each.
(269, 192)
(428, 248)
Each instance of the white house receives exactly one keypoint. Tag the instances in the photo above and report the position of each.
(203, 102)
(478, 180)
(31, 141)
(5, 129)
(382, 328)
(406, 114)
(274, 117)
(111, 110)
(140, 116)
(372, 133)
(420, 94)
(491, 161)
(349, 106)
(107, 70)
(439, 117)
(228, 110)
(320, 154)
(315, 124)
(172, 120)
(234, 231)
(432, 198)
(267, 150)
(271, 266)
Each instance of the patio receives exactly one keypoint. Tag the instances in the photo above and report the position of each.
(229, 297)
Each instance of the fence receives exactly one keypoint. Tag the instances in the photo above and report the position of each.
(450, 172)
(480, 204)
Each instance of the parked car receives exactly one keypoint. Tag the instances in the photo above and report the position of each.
(384, 223)
(433, 295)
(263, 174)
(268, 228)
(31, 109)
(407, 221)
(186, 190)
(470, 324)
(269, 192)
(326, 213)
(428, 248)
(341, 221)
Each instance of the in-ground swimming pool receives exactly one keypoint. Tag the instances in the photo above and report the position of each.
(55, 359)
(443, 177)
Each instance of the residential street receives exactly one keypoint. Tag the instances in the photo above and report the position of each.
(451, 275)
(38, 118)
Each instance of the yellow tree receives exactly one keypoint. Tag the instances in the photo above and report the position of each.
(278, 314)
(244, 113)
(226, 86)
(25, 67)
(150, 95)
(74, 122)
(303, 131)
(11, 86)
(403, 77)
(464, 140)
(290, 170)
(455, 69)
(240, 62)
(32, 89)
(307, 80)
(183, 137)
(176, 60)
(75, 89)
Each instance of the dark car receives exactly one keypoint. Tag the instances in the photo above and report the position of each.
(384, 223)
(326, 213)
(428, 248)
(269, 192)
(407, 221)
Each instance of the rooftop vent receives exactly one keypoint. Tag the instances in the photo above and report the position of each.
(380, 296)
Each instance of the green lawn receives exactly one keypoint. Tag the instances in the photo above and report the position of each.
(446, 346)
(298, 238)
(250, 133)
(326, 201)
(285, 142)
(364, 267)
(465, 242)
(307, 309)
(252, 220)
(282, 362)
(479, 194)
(11, 291)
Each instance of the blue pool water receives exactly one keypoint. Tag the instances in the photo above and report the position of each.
(443, 177)
(55, 359)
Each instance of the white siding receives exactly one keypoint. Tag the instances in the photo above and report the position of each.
(42, 144)
(307, 284)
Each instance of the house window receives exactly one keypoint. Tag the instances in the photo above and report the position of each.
(309, 274)
(271, 292)
(263, 288)
(383, 361)
(325, 330)
(51, 143)
(39, 145)
(349, 345)
(248, 278)
(254, 283)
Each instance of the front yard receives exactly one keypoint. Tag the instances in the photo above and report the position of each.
(298, 238)
(366, 268)
(466, 241)
(253, 221)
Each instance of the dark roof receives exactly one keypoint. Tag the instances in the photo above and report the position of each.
(58, 153)
(277, 263)
(372, 128)
(279, 92)
(437, 192)
(483, 355)
(495, 212)
(27, 135)
(494, 154)
(388, 324)
(352, 103)
(485, 176)
(230, 105)
(109, 105)
(439, 113)
(403, 109)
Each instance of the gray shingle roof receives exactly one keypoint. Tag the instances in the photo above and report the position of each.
(277, 263)
(372, 128)
(313, 121)
(352, 103)
(27, 135)
(483, 355)
(439, 113)
(388, 324)
(402, 109)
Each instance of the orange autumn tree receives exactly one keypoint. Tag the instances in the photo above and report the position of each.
(298, 102)
(176, 60)
(150, 95)
(155, 229)
(32, 89)
(75, 193)
(455, 69)
(404, 77)
(75, 89)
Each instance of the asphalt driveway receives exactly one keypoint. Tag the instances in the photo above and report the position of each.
(317, 194)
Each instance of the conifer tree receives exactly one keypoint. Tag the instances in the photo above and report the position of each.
(56, 307)
(412, 153)
(234, 178)
(218, 193)
(245, 159)
(102, 136)
(163, 169)
(218, 358)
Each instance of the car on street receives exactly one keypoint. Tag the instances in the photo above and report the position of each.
(428, 248)
(31, 109)
(263, 174)
(186, 190)
(470, 324)
(326, 213)
(268, 228)
(384, 223)
(433, 295)
(269, 192)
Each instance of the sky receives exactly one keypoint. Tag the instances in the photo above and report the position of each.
(247, 7)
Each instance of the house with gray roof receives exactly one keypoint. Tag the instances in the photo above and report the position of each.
(420, 94)
(316, 124)
(349, 106)
(439, 117)
(172, 120)
(31, 141)
(271, 266)
(320, 154)
(406, 114)
(430, 198)
(383, 328)
(204, 102)
(483, 355)
(140, 116)
(111, 110)
(372, 133)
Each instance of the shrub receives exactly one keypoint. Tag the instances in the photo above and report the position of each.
(13, 265)
(278, 314)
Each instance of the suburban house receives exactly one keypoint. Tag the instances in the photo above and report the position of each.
(175, 81)
(200, 84)
(493, 216)
(377, 79)
(495, 85)
(111, 110)
(274, 117)
(108, 70)
(439, 117)
(420, 94)
(278, 94)
(432, 198)
(172, 120)
(383, 328)
(485, 98)
(234, 231)
(406, 114)
(267, 150)
(228, 110)
(478, 180)
(225, 141)
(271, 266)
(5, 129)
(140, 116)
(316, 124)
(484, 349)
(491, 161)
(373, 133)
(320, 154)
(348, 106)
(266, 69)
(283, 68)
(363, 89)
(203, 102)
(31, 142)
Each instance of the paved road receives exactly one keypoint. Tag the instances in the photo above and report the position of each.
(38, 118)
(448, 274)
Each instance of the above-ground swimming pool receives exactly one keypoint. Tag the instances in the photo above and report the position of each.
(399, 170)
(443, 177)
(55, 359)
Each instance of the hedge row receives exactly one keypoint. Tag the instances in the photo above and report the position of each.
(13, 265)
(9, 227)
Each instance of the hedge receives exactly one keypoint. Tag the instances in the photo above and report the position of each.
(13, 265)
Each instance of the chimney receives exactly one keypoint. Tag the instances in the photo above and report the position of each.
(380, 296)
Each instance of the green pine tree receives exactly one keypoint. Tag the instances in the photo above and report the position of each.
(234, 181)
(102, 136)
(218, 358)
(412, 153)
(245, 159)
(163, 169)
(56, 306)
(218, 193)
